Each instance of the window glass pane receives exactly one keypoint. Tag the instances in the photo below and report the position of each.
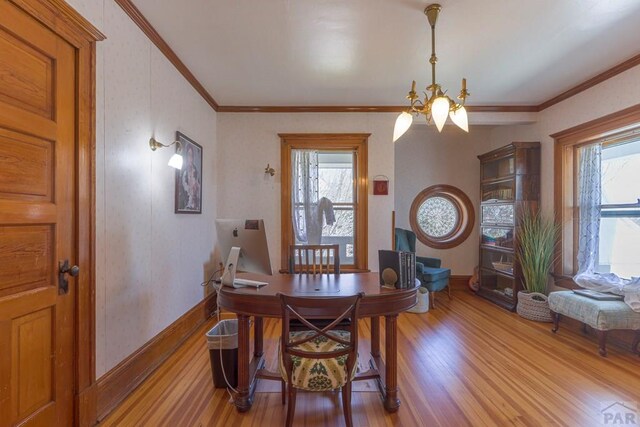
(342, 233)
(437, 216)
(335, 176)
(619, 240)
(336, 183)
(621, 173)
(620, 246)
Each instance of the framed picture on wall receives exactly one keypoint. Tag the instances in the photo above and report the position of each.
(189, 178)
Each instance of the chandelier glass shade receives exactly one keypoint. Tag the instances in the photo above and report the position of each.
(436, 105)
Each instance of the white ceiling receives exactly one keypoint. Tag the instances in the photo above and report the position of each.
(366, 52)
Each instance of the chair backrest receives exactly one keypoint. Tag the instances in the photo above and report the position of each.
(315, 259)
(405, 240)
(305, 309)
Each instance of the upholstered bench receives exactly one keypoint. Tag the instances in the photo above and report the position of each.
(603, 316)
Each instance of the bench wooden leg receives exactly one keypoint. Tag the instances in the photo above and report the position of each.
(556, 321)
(636, 342)
(602, 341)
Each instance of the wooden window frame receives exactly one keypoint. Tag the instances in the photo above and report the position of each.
(464, 223)
(566, 146)
(356, 142)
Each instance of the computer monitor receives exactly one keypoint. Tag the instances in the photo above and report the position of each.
(249, 235)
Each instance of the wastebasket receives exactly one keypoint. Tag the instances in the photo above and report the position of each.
(423, 301)
(222, 341)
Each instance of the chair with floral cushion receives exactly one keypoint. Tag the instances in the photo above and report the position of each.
(319, 359)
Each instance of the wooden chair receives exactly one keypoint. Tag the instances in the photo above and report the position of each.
(325, 358)
(314, 259)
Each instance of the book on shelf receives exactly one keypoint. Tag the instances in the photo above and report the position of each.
(402, 263)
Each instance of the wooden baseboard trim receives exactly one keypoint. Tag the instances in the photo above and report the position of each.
(459, 282)
(114, 386)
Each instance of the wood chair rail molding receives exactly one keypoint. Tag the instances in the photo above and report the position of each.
(356, 142)
(141, 21)
(567, 143)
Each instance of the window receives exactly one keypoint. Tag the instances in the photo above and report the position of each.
(442, 216)
(618, 210)
(324, 194)
(619, 236)
(336, 183)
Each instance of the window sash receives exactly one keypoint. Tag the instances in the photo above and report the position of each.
(628, 210)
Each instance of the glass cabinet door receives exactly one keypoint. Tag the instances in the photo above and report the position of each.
(498, 191)
(499, 168)
(498, 214)
(497, 236)
(499, 261)
(499, 284)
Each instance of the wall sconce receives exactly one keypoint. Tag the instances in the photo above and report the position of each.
(271, 171)
(176, 160)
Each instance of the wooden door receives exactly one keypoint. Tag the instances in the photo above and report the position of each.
(38, 168)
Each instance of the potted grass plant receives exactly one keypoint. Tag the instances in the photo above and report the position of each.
(536, 251)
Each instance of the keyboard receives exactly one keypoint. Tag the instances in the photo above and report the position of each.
(250, 283)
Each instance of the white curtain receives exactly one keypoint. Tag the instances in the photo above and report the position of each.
(304, 194)
(589, 202)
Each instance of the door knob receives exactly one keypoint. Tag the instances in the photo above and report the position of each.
(63, 270)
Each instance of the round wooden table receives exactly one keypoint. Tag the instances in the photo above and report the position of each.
(262, 302)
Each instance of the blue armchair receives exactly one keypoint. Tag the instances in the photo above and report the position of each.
(428, 270)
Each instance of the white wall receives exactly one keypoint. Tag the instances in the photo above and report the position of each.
(248, 141)
(424, 157)
(149, 261)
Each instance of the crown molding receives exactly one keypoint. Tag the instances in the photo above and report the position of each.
(62, 7)
(606, 75)
(310, 109)
(59, 15)
(153, 35)
(146, 27)
(366, 109)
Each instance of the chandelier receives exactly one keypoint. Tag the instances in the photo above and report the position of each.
(436, 105)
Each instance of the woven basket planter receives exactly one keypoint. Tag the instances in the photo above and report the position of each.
(534, 306)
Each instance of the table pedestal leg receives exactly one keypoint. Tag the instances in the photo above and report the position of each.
(375, 336)
(258, 337)
(242, 399)
(391, 401)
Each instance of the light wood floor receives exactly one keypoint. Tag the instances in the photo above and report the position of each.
(465, 363)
